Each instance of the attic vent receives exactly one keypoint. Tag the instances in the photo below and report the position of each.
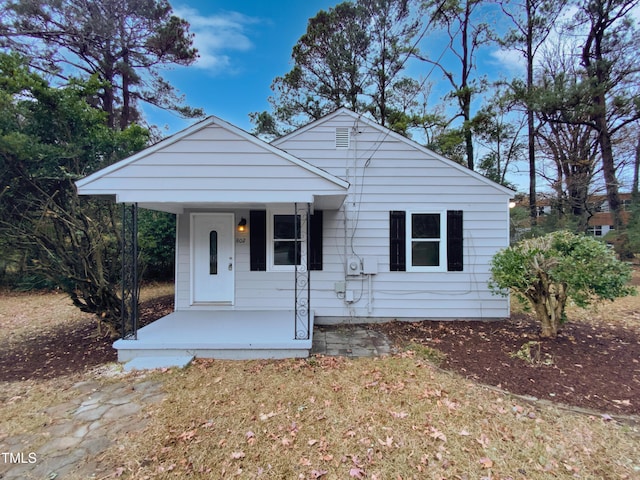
(342, 137)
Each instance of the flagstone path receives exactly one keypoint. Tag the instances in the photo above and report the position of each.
(80, 430)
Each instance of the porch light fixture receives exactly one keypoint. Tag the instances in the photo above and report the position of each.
(242, 225)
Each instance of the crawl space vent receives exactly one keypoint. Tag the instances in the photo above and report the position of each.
(342, 137)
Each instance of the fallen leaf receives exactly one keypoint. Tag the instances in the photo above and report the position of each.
(318, 473)
(267, 416)
(483, 440)
(387, 443)
(486, 462)
(356, 472)
(188, 435)
(437, 434)
(399, 414)
(237, 455)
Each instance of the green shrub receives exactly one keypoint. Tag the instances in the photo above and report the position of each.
(549, 270)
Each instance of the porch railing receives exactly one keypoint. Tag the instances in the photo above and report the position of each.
(302, 273)
(130, 288)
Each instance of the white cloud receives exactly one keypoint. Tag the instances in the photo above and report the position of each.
(216, 35)
(510, 62)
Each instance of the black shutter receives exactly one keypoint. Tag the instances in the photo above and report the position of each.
(258, 240)
(397, 241)
(454, 241)
(315, 241)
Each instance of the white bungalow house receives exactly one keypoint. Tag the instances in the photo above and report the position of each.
(340, 221)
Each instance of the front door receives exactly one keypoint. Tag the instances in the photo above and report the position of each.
(212, 258)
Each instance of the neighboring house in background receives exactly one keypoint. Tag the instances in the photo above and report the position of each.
(601, 220)
(340, 221)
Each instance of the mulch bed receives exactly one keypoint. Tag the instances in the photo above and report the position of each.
(589, 366)
(596, 367)
(70, 348)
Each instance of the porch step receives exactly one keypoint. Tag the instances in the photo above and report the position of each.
(153, 362)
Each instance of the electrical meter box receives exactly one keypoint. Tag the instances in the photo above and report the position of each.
(370, 265)
(354, 267)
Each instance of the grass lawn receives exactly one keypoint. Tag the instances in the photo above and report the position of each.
(384, 418)
(398, 417)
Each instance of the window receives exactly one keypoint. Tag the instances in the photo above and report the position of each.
(287, 242)
(213, 252)
(425, 244)
(595, 230)
(272, 242)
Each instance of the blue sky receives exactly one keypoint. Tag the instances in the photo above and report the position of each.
(243, 46)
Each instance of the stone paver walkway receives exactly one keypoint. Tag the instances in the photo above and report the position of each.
(80, 431)
(349, 341)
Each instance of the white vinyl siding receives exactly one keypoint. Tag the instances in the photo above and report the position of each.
(213, 165)
(388, 173)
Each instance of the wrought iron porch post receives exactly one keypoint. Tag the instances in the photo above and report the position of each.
(302, 273)
(129, 277)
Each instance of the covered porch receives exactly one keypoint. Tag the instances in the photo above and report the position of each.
(244, 212)
(232, 334)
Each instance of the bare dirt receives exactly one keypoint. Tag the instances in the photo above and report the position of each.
(593, 364)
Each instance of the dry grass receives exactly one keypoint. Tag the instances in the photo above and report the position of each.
(329, 418)
(24, 314)
(335, 418)
(154, 290)
(24, 405)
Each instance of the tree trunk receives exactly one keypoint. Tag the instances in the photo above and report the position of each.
(636, 172)
(465, 91)
(531, 141)
(549, 301)
(609, 170)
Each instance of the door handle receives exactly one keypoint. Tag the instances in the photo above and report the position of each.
(230, 267)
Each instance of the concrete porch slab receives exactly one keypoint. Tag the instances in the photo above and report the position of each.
(223, 334)
(151, 363)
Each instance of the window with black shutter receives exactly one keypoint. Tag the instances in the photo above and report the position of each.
(258, 240)
(426, 241)
(315, 241)
(397, 241)
(455, 235)
(283, 243)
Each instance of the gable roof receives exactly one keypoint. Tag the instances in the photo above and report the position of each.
(212, 162)
(396, 136)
